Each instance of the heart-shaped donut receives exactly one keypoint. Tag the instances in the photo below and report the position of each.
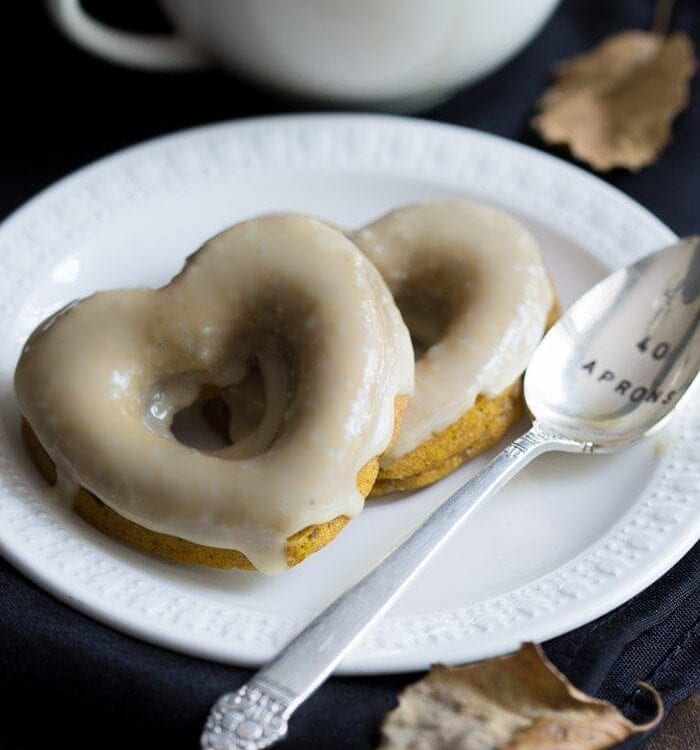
(293, 298)
(474, 293)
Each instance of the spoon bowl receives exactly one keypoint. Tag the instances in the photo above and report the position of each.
(617, 363)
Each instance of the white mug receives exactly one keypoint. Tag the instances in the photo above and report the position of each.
(400, 54)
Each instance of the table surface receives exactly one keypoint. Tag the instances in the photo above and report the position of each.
(63, 109)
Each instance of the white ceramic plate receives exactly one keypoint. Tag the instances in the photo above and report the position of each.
(568, 540)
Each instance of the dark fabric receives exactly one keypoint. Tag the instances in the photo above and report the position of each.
(66, 680)
(652, 638)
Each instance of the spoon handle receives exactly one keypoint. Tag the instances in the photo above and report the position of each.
(256, 715)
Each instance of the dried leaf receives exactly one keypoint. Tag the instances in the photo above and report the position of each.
(515, 702)
(614, 105)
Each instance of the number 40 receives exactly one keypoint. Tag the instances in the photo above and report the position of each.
(658, 352)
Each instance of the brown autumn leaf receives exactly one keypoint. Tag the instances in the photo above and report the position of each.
(515, 702)
(614, 105)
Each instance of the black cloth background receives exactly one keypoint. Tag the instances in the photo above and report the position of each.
(66, 680)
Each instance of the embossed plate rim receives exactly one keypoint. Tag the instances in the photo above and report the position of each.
(506, 172)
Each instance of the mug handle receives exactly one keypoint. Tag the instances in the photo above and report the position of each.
(145, 51)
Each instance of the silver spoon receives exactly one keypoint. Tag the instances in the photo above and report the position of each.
(610, 372)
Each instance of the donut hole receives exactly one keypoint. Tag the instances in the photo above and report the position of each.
(429, 299)
(238, 403)
(203, 424)
(243, 415)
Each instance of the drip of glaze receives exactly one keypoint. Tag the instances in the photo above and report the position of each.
(65, 488)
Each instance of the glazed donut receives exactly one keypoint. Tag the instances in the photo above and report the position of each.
(470, 284)
(99, 384)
